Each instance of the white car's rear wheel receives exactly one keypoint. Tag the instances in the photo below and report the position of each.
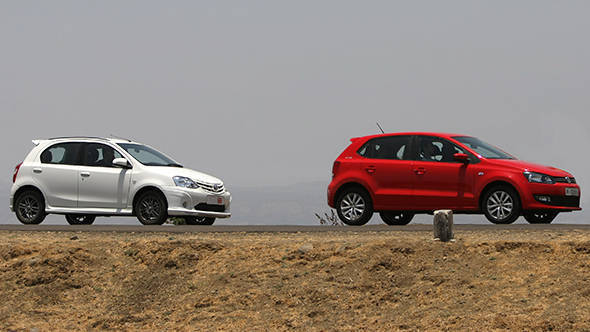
(30, 207)
(199, 220)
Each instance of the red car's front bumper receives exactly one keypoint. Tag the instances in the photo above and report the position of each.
(537, 196)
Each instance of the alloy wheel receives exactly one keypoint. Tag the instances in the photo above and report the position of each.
(29, 208)
(199, 220)
(80, 219)
(352, 206)
(500, 205)
(396, 218)
(540, 217)
(150, 209)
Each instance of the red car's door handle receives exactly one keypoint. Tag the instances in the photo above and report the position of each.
(420, 170)
(370, 169)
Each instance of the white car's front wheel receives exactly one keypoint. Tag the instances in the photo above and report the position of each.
(79, 219)
(151, 208)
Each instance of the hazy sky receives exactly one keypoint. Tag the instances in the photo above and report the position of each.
(269, 92)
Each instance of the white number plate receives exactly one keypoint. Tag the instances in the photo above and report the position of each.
(215, 200)
(572, 192)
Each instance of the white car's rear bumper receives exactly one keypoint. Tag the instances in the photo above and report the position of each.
(197, 203)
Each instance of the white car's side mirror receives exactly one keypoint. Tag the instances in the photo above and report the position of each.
(121, 162)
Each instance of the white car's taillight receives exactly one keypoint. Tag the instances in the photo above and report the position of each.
(16, 172)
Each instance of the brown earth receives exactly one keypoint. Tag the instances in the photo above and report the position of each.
(486, 280)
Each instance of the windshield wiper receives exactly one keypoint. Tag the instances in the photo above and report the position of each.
(165, 165)
(175, 165)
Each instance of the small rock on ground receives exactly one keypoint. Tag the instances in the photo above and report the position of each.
(304, 249)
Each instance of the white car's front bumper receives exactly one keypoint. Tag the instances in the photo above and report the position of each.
(184, 202)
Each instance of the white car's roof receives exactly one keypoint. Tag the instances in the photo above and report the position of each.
(85, 138)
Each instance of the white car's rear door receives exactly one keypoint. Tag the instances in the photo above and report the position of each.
(58, 173)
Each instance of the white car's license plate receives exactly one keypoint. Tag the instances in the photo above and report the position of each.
(572, 192)
(215, 200)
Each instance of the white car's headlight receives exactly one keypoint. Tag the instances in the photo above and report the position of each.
(183, 181)
(538, 178)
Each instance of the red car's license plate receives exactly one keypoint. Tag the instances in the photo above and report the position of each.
(572, 192)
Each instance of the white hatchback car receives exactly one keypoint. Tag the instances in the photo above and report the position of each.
(86, 177)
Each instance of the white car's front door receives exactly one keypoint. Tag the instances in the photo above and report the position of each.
(101, 184)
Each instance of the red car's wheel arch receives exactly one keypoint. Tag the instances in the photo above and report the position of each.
(350, 184)
(498, 182)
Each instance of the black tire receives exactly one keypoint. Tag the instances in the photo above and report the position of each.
(151, 208)
(199, 220)
(506, 194)
(80, 219)
(396, 218)
(348, 213)
(29, 207)
(540, 217)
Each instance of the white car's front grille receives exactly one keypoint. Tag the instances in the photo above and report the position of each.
(216, 188)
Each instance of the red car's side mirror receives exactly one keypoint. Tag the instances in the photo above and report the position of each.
(461, 157)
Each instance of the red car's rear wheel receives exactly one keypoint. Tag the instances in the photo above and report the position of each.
(354, 206)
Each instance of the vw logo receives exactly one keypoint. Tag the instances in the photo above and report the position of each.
(568, 179)
(216, 186)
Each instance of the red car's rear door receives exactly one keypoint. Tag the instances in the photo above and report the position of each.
(387, 168)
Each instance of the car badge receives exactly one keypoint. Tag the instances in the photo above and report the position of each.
(567, 178)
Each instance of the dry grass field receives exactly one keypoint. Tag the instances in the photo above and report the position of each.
(346, 281)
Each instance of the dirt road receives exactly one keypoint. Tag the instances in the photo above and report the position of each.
(282, 229)
(367, 279)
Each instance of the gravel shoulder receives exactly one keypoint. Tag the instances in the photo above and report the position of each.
(525, 279)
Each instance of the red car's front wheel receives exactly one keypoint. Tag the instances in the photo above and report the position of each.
(501, 205)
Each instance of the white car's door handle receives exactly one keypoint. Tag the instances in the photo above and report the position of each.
(85, 174)
(37, 170)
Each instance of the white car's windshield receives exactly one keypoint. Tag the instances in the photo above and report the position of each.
(482, 148)
(148, 156)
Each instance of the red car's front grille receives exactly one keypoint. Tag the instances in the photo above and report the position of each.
(564, 179)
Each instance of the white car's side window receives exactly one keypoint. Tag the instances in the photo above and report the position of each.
(63, 153)
(99, 155)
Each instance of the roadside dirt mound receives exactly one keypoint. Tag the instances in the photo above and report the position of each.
(320, 281)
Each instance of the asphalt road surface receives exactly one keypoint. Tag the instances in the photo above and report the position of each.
(280, 229)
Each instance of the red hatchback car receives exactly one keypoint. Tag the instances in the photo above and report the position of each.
(400, 175)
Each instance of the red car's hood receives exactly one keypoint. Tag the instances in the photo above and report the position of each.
(526, 166)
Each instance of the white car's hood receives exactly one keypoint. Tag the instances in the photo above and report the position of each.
(189, 173)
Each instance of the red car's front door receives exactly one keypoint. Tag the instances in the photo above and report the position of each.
(439, 181)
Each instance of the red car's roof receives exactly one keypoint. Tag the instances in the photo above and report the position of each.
(444, 135)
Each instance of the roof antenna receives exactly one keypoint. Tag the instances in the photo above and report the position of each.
(378, 125)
